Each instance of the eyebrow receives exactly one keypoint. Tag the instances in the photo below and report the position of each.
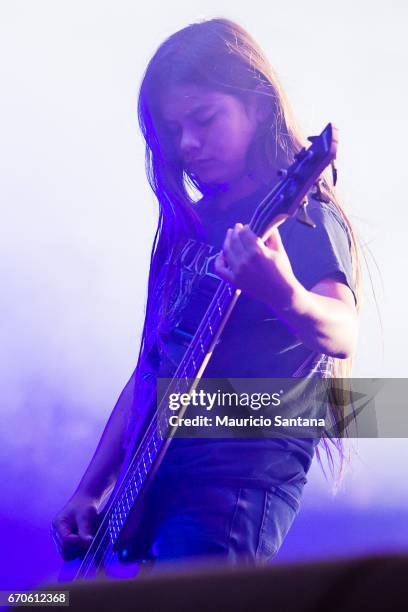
(197, 109)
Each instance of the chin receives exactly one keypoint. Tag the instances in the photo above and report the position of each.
(211, 179)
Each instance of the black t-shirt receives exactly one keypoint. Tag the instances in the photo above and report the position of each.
(254, 344)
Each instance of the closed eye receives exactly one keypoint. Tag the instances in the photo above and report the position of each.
(206, 120)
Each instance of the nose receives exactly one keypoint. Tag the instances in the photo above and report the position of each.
(189, 142)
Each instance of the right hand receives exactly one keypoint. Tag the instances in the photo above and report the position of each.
(74, 526)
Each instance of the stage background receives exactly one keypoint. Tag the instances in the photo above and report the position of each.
(77, 223)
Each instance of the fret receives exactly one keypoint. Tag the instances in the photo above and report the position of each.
(139, 473)
(159, 430)
(186, 376)
(115, 520)
(112, 534)
(149, 454)
(127, 500)
(115, 526)
(121, 509)
(153, 442)
(134, 483)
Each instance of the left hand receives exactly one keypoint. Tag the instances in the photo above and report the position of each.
(262, 270)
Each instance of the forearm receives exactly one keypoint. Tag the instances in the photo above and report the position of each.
(104, 467)
(322, 323)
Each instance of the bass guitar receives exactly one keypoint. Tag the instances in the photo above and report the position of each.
(108, 552)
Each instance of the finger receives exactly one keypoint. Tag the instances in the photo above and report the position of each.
(68, 546)
(233, 246)
(72, 547)
(248, 238)
(273, 239)
(222, 269)
(232, 250)
(63, 539)
(86, 526)
(227, 241)
(63, 528)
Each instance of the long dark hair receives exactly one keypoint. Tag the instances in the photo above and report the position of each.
(221, 55)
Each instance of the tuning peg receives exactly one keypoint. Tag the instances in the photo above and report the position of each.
(318, 194)
(302, 215)
(282, 172)
(300, 154)
(334, 172)
(312, 139)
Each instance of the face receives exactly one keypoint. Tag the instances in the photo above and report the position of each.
(211, 131)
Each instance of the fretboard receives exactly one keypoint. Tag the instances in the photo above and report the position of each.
(190, 369)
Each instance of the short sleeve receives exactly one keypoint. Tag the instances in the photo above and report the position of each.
(316, 253)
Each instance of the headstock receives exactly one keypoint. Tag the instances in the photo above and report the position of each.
(288, 198)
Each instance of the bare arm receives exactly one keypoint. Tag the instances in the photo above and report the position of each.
(74, 525)
(101, 474)
(324, 318)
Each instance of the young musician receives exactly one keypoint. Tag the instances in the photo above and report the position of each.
(218, 127)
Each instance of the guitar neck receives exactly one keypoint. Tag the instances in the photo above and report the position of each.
(158, 434)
